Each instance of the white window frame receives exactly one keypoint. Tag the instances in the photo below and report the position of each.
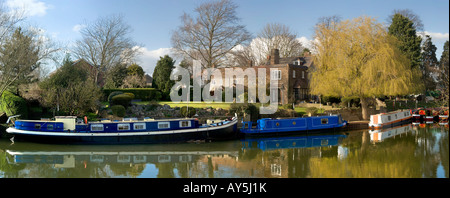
(276, 75)
(161, 123)
(188, 123)
(139, 124)
(123, 125)
(97, 126)
(293, 73)
(303, 74)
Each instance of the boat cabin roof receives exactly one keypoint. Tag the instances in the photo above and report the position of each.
(145, 120)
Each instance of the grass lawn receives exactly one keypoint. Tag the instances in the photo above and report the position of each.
(216, 105)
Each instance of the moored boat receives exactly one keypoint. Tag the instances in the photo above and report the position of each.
(417, 115)
(283, 126)
(69, 129)
(428, 118)
(443, 117)
(390, 119)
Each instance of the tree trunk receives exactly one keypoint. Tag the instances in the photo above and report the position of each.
(364, 108)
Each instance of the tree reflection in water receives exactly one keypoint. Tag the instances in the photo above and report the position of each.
(404, 152)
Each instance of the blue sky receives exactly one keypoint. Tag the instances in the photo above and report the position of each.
(153, 21)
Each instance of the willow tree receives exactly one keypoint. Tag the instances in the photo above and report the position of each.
(357, 58)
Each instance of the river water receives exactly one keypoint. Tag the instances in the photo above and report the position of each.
(409, 151)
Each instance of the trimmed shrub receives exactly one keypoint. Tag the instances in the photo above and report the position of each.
(122, 99)
(112, 94)
(184, 111)
(118, 110)
(131, 95)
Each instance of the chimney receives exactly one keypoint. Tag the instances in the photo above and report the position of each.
(274, 56)
(249, 63)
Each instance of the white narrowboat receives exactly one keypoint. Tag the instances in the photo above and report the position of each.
(390, 119)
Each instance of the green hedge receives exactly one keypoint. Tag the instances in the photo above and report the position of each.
(121, 99)
(146, 94)
(13, 105)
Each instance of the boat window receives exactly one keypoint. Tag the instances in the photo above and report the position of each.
(97, 127)
(37, 126)
(123, 127)
(49, 126)
(389, 118)
(163, 125)
(185, 124)
(324, 120)
(139, 126)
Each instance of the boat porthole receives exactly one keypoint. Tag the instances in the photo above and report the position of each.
(278, 124)
(277, 144)
(293, 144)
(293, 123)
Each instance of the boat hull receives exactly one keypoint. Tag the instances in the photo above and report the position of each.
(223, 132)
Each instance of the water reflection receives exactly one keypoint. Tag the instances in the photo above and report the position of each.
(407, 151)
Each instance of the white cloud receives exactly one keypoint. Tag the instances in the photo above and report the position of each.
(30, 7)
(78, 27)
(437, 36)
(305, 42)
(149, 58)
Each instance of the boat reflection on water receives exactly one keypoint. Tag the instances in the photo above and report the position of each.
(304, 141)
(381, 135)
(112, 160)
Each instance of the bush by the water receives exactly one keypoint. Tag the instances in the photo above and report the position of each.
(13, 105)
(118, 110)
(184, 112)
(247, 108)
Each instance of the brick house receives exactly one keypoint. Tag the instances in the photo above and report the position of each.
(292, 73)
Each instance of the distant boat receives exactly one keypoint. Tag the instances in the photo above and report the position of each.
(282, 126)
(443, 117)
(69, 129)
(390, 119)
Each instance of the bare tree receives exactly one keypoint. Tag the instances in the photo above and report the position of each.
(417, 22)
(105, 43)
(22, 51)
(279, 36)
(212, 34)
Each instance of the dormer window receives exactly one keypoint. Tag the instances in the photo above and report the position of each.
(297, 62)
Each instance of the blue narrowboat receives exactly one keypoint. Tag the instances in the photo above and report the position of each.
(70, 129)
(272, 126)
(289, 142)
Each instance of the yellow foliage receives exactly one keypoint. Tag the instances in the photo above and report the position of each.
(358, 58)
